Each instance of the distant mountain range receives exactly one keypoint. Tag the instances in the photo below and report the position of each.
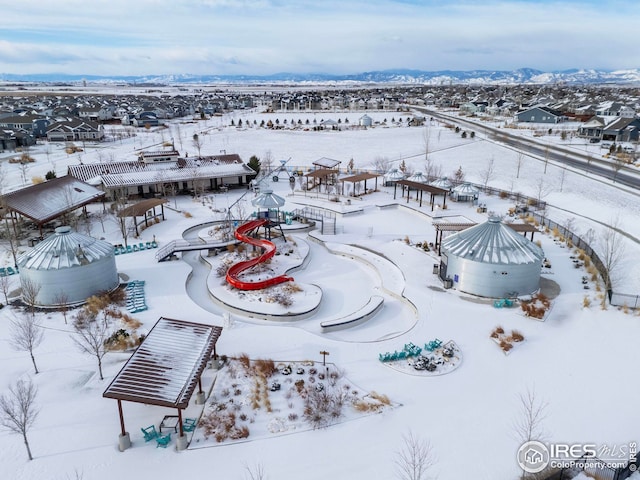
(401, 76)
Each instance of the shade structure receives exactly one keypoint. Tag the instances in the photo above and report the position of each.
(268, 199)
(393, 175)
(418, 177)
(166, 367)
(69, 267)
(443, 183)
(465, 192)
(492, 260)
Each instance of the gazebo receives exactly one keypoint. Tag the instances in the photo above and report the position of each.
(392, 176)
(465, 192)
(165, 370)
(269, 201)
(418, 177)
(443, 183)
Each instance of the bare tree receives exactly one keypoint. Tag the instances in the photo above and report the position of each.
(426, 141)
(30, 291)
(488, 173)
(529, 425)
(415, 458)
(612, 251)
(5, 286)
(519, 162)
(430, 169)
(255, 472)
(18, 411)
(24, 171)
(616, 165)
(90, 337)
(381, 164)
(547, 153)
(266, 162)
(61, 299)
(126, 226)
(563, 174)
(542, 189)
(197, 142)
(26, 335)
(458, 176)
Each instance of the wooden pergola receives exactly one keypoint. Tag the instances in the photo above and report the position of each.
(523, 228)
(321, 174)
(361, 177)
(420, 188)
(166, 368)
(141, 208)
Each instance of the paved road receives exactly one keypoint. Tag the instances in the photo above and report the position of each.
(622, 175)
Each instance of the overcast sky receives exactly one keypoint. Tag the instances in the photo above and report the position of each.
(148, 37)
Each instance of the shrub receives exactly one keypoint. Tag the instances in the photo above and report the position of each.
(383, 399)
(516, 336)
(586, 302)
(362, 406)
(245, 361)
(265, 367)
(504, 194)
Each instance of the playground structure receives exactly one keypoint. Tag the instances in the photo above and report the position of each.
(242, 234)
(281, 169)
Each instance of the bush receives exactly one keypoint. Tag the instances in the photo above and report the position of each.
(516, 336)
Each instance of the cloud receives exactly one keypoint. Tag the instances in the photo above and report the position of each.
(267, 36)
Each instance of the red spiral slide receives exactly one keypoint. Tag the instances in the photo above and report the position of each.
(269, 250)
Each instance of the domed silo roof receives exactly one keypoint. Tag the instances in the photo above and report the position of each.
(69, 265)
(268, 199)
(492, 260)
(443, 183)
(418, 177)
(365, 121)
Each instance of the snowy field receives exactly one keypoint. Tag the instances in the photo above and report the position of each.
(580, 360)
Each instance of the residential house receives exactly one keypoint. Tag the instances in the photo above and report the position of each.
(622, 130)
(615, 109)
(74, 129)
(539, 114)
(592, 128)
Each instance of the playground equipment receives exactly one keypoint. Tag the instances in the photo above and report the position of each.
(269, 248)
(282, 169)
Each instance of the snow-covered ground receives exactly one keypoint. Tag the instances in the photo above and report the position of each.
(580, 360)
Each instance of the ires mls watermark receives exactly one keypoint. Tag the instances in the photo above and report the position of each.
(534, 456)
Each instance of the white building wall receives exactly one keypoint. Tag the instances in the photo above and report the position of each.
(493, 280)
(78, 282)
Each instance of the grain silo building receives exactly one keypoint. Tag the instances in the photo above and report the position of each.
(69, 267)
(491, 260)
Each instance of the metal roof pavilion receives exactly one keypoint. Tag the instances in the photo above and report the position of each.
(51, 199)
(166, 367)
